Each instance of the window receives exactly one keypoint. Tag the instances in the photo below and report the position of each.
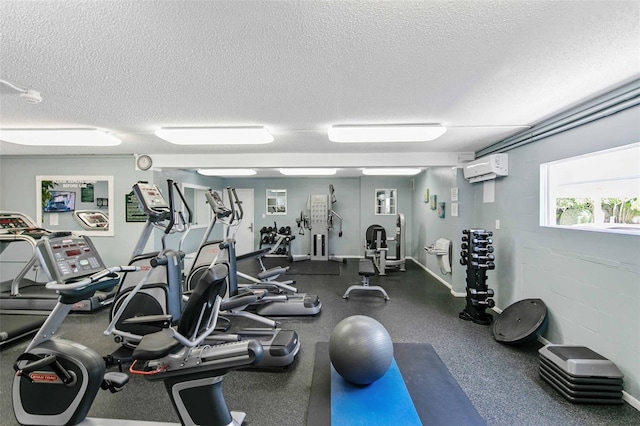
(597, 192)
(386, 201)
(276, 201)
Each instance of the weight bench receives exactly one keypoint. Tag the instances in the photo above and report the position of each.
(366, 269)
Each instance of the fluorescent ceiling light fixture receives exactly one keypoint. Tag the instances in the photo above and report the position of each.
(227, 172)
(390, 133)
(391, 172)
(59, 137)
(308, 172)
(215, 135)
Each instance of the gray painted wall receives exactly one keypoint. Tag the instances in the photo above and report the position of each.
(590, 281)
(18, 192)
(355, 204)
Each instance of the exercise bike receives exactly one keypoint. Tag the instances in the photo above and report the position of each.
(57, 380)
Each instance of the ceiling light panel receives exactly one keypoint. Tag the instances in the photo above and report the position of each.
(59, 137)
(227, 172)
(308, 172)
(390, 133)
(215, 135)
(391, 172)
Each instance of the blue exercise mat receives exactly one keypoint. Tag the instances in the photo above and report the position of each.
(386, 400)
(437, 397)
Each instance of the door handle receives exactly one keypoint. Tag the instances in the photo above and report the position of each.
(251, 227)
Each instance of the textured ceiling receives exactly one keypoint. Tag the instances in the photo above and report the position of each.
(484, 69)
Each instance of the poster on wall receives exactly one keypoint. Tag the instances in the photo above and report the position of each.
(69, 204)
(133, 211)
(433, 202)
(86, 193)
(441, 210)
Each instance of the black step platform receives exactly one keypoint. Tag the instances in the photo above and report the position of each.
(581, 375)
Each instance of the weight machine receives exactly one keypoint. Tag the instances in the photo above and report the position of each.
(318, 217)
(376, 247)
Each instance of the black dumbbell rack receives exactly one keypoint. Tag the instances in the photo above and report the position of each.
(477, 255)
(271, 235)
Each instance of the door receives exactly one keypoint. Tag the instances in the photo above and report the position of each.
(244, 232)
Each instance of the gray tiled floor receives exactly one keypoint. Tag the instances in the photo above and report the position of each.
(501, 381)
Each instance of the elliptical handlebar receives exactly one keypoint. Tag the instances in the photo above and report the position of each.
(172, 219)
(184, 203)
(237, 201)
(91, 279)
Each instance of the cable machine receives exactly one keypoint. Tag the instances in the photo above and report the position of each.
(319, 217)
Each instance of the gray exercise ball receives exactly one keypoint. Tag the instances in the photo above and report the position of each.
(360, 349)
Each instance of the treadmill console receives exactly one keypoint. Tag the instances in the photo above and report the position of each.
(68, 258)
(92, 219)
(14, 223)
(151, 201)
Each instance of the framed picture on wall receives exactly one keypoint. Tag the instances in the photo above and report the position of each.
(433, 202)
(441, 210)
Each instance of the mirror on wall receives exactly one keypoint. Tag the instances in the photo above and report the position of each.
(386, 201)
(276, 201)
(80, 204)
(200, 210)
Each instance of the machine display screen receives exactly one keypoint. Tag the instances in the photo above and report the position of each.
(72, 253)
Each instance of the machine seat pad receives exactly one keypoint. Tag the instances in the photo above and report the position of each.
(272, 272)
(366, 268)
(253, 254)
(156, 345)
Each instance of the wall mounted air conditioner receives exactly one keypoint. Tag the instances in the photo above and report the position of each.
(487, 168)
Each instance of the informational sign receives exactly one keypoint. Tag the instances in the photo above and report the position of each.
(86, 193)
(133, 211)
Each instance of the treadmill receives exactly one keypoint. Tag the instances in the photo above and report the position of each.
(24, 291)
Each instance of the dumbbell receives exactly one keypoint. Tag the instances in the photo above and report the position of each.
(490, 303)
(488, 265)
(464, 246)
(475, 292)
(488, 249)
(481, 257)
(482, 241)
(463, 261)
(482, 233)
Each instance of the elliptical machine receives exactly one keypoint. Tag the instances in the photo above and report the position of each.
(283, 299)
(161, 271)
(57, 380)
(280, 346)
